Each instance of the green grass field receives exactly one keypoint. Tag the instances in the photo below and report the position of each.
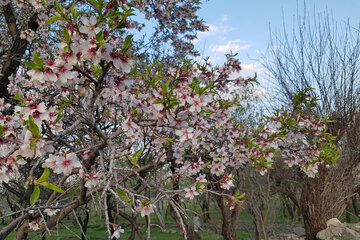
(277, 223)
(211, 231)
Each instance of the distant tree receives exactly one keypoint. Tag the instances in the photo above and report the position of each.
(324, 55)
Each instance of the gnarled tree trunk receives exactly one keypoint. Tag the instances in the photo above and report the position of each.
(229, 218)
(322, 198)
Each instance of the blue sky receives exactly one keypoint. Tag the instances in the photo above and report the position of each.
(243, 26)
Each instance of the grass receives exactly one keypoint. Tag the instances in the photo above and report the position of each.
(277, 223)
(68, 229)
(97, 229)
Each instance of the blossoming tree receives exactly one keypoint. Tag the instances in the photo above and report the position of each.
(90, 120)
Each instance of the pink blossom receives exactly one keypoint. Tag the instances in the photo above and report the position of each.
(89, 26)
(63, 163)
(226, 182)
(28, 35)
(147, 210)
(117, 231)
(35, 225)
(185, 134)
(191, 192)
(51, 211)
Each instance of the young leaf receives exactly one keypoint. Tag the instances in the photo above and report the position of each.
(32, 143)
(133, 162)
(35, 195)
(100, 36)
(45, 175)
(127, 42)
(53, 19)
(2, 132)
(34, 129)
(32, 65)
(60, 11)
(38, 60)
(165, 87)
(67, 36)
(121, 193)
(50, 186)
(95, 4)
(158, 101)
(137, 153)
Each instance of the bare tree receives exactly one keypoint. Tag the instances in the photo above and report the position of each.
(322, 54)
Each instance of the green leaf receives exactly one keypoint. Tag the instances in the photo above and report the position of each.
(38, 60)
(72, 9)
(67, 36)
(60, 11)
(100, 36)
(53, 19)
(121, 193)
(133, 162)
(95, 4)
(32, 143)
(45, 175)
(2, 131)
(59, 116)
(34, 129)
(137, 154)
(32, 66)
(127, 42)
(145, 203)
(165, 87)
(35, 195)
(170, 140)
(51, 186)
(158, 101)
(241, 196)
(17, 97)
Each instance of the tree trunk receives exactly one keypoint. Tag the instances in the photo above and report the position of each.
(354, 203)
(205, 203)
(189, 228)
(347, 214)
(229, 218)
(256, 223)
(321, 200)
(84, 225)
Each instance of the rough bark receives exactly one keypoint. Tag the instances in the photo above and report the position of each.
(229, 218)
(256, 222)
(84, 224)
(134, 225)
(354, 203)
(205, 204)
(190, 232)
(9, 228)
(321, 199)
(17, 50)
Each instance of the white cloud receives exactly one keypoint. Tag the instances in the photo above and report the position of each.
(219, 29)
(248, 71)
(232, 45)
